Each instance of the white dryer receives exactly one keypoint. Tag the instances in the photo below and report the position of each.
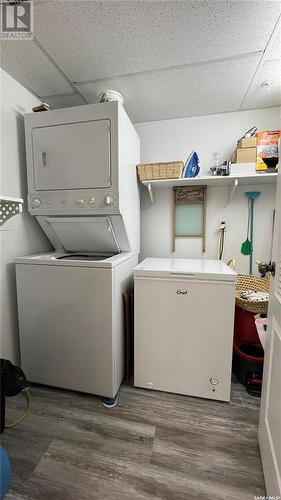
(82, 188)
(184, 311)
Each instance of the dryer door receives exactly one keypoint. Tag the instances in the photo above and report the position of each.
(72, 156)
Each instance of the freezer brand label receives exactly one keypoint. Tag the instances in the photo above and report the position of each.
(181, 292)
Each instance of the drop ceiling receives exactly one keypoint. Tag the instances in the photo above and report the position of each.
(167, 58)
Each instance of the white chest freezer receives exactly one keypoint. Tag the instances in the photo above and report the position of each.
(184, 313)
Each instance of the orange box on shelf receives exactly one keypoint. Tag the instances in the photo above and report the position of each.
(267, 151)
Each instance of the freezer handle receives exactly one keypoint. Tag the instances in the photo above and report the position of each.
(183, 275)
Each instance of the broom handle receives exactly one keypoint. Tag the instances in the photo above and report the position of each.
(249, 218)
(251, 234)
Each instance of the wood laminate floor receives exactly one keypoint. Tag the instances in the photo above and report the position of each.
(152, 446)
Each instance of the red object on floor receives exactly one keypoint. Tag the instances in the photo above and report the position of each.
(244, 327)
(243, 350)
(248, 353)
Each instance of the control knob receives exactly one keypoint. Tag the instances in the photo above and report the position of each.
(108, 200)
(214, 381)
(36, 202)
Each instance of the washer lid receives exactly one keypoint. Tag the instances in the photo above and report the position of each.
(82, 234)
(185, 268)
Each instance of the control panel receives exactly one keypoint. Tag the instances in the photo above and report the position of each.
(72, 202)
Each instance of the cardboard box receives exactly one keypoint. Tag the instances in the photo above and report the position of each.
(267, 151)
(247, 142)
(246, 155)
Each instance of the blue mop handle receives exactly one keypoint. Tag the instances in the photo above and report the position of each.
(251, 235)
(252, 196)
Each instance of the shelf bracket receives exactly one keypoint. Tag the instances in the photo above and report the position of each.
(9, 207)
(232, 190)
(150, 191)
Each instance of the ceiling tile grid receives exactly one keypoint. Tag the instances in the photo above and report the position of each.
(195, 90)
(168, 58)
(97, 39)
(274, 49)
(28, 65)
(259, 96)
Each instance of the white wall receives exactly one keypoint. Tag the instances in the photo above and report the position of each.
(21, 235)
(174, 140)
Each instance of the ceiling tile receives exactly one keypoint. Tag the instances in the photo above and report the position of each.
(274, 48)
(28, 65)
(259, 97)
(64, 101)
(209, 88)
(97, 39)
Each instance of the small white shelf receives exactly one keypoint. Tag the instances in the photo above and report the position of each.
(231, 181)
(9, 207)
(10, 198)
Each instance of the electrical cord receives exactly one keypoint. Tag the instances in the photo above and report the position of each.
(27, 410)
(221, 242)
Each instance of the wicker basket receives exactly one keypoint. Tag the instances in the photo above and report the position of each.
(151, 171)
(246, 282)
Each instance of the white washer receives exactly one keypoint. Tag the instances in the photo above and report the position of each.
(71, 319)
(184, 313)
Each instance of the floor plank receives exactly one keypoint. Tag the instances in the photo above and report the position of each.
(66, 463)
(223, 459)
(152, 445)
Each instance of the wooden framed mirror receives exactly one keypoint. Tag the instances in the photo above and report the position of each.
(189, 213)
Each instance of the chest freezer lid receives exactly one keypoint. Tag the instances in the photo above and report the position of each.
(185, 268)
(81, 234)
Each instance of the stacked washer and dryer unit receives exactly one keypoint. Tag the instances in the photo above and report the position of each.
(82, 189)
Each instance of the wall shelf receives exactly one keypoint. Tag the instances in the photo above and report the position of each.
(230, 181)
(9, 207)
